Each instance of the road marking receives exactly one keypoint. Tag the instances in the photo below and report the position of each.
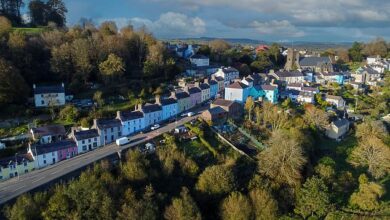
(39, 179)
(17, 189)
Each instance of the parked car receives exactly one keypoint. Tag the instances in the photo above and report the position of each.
(122, 141)
(155, 127)
(190, 114)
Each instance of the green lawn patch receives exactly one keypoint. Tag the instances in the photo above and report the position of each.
(37, 30)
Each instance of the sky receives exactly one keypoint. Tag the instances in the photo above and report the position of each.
(269, 20)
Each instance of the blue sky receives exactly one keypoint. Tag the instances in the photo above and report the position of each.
(270, 20)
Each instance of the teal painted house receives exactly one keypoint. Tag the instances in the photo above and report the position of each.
(265, 92)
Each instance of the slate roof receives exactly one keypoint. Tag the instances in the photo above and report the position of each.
(237, 85)
(182, 95)
(194, 90)
(52, 147)
(340, 122)
(289, 74)
(213, 82)
(204, 86)
(314, 61)
(223, 102)
(168, 101)
(108, 123)
(216, 110)
(229, 70)
(86, 134)
(4, 162)
(219, 78)
(294, 85)
(306, 94)
(198, 56)
(370, 70)
(49, 89)
(49, 130)
(268, 87)
(255, 77)
(147, 108)
(130, 115)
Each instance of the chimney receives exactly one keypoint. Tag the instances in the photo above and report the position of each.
(158, 99)
(95, 123)
(139, 107)
(197, 84)
(34, 86)
(186, 89)
(118, 115)
(206, 80)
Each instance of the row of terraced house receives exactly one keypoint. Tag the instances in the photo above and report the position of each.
(52, 144)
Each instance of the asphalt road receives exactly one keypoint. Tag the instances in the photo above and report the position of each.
(14, 187)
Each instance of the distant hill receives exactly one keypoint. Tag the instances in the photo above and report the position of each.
(246, 41)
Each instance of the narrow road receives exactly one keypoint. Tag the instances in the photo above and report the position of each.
(14, 187)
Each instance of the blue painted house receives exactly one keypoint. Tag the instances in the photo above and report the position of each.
(265, 92)
(213, 87)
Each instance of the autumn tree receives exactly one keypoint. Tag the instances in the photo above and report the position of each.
(376, 47)
(373, 154)
(144, 208)
(13, 88)
(98, 98)
(219, 46)
(274, 117)
(313, 199)
(236, 207)
(136, 166)
(216, 180)
(249, 106)
(113, 67)
(263, 203)
(5, 26)
(283, 159)
(183, 208)
(315, 117)
(69, 113)
(26, 207)
(368, 195)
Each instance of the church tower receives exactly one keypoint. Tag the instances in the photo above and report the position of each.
(292, 62)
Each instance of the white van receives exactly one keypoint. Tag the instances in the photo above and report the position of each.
(122, 141)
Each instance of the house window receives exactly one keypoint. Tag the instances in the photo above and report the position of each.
(42, 102)
(83, 142)
(112, 137)
(95, 139)
(52, 153)
(1, 177)
(94, 144)
(84, 148)
(44, 161)
(89, 140)
(44, 156)
(112, 129)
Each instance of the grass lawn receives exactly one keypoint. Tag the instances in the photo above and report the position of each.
(30, 30)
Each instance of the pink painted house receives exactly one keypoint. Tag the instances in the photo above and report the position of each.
(195, 95)
(66, 149)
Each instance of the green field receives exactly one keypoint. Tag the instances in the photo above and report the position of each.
(30, 30)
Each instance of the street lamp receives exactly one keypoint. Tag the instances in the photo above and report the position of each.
(16, 165)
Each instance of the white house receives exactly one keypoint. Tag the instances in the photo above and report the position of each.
(169, 107)
(199, 60)
(109, 129)
(205, 88)
(305, 97)
(49, 133)
(237, 92)
(373, 60)
(45, 96)
(229, 74)
(132, 121)
(289, 77)
(152, 113)
(337, 129)
(337, 101)
(86, 140)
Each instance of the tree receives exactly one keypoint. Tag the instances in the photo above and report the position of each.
(11, 10)
(236, 207)
(283, 159)
(315, 117)
(274, 117)
(249, 106)
(312, 199)
(368, 195)
(371, 129)
(69, 113)
(219, 46)
(98, 98)
(326, 169)
(244, 69)
(183, 208)
(262, 63)
(13, 88)
(84, 123)
(355, 52)
(264, 205)
(108, 28)
(135, 167)
(5, 26)
(376, 47)
(26, 207)
(113, 67)
(59, 205)
(56, 12)
(216, 180)
(373, 154)
(38, 12)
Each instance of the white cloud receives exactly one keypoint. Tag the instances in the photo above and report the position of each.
(169, 24)
(275, 27)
